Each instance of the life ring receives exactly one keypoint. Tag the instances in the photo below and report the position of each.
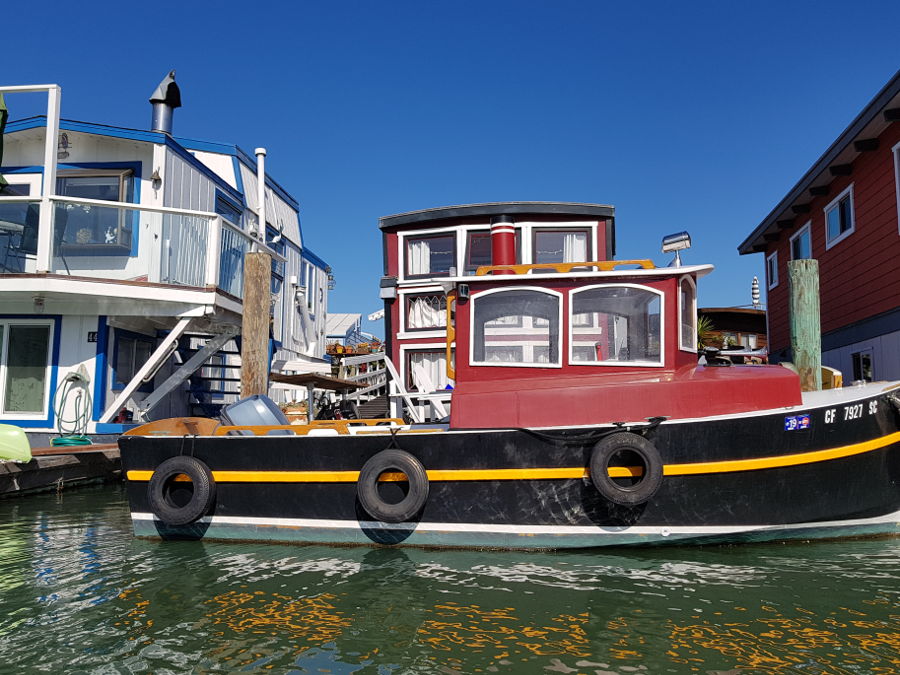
(162, 491)
(392, 459)
(623, 444)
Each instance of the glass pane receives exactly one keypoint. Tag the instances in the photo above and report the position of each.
(426, 311)
(800, 247)
(90, 187)
(478, 253)
(552, 247)
(833, 218)
(125, 361)
(625, 325)
(433, 256)
(517, 327)
(26, 368)
(688, 337)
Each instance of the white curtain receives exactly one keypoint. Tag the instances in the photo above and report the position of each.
(426, 313)
(418, 257)
(434, 364)
(575, 247)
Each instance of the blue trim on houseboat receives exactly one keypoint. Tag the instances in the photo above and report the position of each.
(111, 428)
(100, 365)
(311, 257)
(239, 179)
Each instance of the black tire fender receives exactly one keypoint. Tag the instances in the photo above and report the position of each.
(603, 453)
(367, 486)
(158, 492)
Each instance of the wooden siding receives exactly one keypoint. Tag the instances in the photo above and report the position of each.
(860, 275)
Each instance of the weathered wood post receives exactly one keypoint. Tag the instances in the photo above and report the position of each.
(255, 324)
(806, 330)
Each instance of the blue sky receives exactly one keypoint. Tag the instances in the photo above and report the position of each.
(684, 116)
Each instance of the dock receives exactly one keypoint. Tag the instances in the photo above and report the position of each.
(55, 468)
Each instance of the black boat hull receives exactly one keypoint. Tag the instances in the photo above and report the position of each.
(735, 478)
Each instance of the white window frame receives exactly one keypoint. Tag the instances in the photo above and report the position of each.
(405, 333)
(693, 346)
(832, 205)
(807, 230)
(623, 364)
(405, 375)
(48, 373)
(896, 152)
(772, 270)
(524, 228)
(514, 364)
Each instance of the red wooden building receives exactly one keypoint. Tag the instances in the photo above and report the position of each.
(423, 247)
(844, 213)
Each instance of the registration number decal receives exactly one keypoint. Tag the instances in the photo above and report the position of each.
(796, 422)
(854, 411)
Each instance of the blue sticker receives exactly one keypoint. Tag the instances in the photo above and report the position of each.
(796, 422)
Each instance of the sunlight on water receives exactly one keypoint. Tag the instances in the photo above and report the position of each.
(78, 594)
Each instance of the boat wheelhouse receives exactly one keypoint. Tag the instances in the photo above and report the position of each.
(581, 417)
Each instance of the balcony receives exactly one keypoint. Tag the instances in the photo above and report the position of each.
(136, 252)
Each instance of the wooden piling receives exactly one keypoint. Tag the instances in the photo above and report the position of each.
(255, 325)
(806, 330)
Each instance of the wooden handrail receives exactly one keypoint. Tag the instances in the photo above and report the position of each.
(341, 426)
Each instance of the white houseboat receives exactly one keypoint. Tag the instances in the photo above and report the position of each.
(121, 271)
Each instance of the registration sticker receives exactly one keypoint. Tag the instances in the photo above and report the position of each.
(796, 422)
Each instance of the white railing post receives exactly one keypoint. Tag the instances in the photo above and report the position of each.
(48, 188)
(213, 252)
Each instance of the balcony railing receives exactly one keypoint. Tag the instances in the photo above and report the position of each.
(121, 241)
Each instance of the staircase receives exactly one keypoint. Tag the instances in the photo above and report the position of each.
(374, 408)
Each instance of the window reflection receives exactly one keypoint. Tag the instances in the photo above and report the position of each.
(616, 324)
(516, 327)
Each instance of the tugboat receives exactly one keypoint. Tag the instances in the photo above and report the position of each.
(580, 418)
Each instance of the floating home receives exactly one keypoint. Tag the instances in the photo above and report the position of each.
(844, 213)
(121, 271)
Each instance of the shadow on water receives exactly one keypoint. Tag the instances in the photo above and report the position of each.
(79, 594)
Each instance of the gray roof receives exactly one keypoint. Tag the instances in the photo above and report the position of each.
(498, 209)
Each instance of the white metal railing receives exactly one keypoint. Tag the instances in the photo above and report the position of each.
(119, 240)
(369, 371)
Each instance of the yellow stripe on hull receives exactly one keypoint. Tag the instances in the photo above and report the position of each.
(728, 466)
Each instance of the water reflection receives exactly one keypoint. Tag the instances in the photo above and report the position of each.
(78, 593)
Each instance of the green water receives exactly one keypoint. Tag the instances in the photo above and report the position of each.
(79, 595)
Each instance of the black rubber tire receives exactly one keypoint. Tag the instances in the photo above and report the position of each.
(202, 499)
(642, 491)
(367, 486)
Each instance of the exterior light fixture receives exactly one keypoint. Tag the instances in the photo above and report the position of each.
(676, 242)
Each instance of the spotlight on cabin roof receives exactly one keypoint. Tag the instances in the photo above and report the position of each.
(676, 242)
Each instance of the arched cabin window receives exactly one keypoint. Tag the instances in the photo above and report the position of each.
(687, 310)
(616, 325)
(516, 327)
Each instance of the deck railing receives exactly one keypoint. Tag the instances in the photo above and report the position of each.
(122, 241)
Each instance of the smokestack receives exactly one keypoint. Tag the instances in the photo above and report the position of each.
(164, 100)
(503, 242)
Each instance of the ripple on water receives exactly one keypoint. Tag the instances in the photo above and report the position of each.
(79, 594)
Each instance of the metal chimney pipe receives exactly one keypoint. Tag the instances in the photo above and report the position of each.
(165, 98)
(261, 192)
(503, 242)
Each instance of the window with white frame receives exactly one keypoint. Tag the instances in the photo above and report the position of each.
(426, 311)
(430, 256)
(687, 310)
(801, 243)
(479, 250)
(86, 225)
(433, 362)
(896, 150)
(839, 218)
(556, 245)
(516, 327)
(24, 366)
(626, 325)
(772, 270)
